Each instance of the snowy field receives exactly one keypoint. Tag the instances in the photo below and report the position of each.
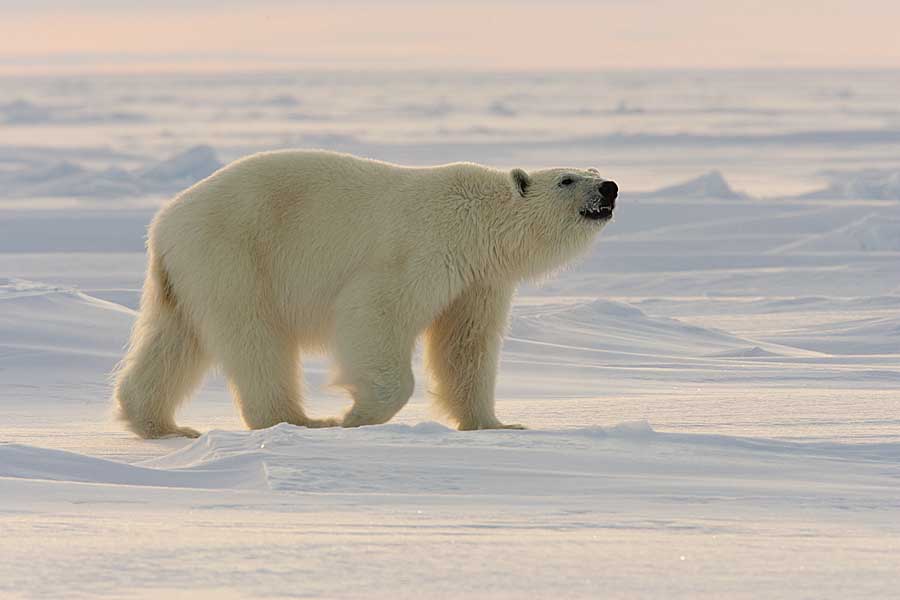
(713, 393)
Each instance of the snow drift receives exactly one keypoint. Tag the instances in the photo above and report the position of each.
(68, 179)
(711, 185)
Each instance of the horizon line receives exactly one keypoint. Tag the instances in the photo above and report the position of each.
(243, 67)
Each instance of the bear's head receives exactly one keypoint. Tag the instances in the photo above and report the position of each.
(559, 211)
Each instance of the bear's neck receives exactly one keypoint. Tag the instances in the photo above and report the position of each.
(496, 243)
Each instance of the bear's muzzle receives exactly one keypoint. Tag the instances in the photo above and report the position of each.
(601, 205)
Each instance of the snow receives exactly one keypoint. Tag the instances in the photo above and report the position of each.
(67, 179)
(712, 392)
(872, 184)
(708, 185)
(183, 169)
(872, 232)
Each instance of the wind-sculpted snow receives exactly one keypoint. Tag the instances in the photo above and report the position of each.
(181, 170)
(393, 461)
(710, 185)
(37, 318)
(862, 335)
(611, 327)
(29, 462)
(277, 508)
(864, 184)
(873, 232)
(68, 179)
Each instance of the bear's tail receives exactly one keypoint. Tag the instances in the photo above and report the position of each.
(163, 363)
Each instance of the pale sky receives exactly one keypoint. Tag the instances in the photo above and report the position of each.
(463, 34)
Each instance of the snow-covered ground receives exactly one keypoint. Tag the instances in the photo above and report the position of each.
(713, 393)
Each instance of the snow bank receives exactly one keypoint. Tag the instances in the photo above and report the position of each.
(593, 330)
(872, 233)
(711, 185)
(68, 179)
(180, 171)
(849, 336)
(863, 184)
(752, 352)
(51, 328)
(392, 461)
(30, 462)
(493, 514)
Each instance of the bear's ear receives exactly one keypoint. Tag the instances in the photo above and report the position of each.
(521, 181)
(593, 170)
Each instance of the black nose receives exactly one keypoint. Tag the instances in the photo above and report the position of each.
(609, 190)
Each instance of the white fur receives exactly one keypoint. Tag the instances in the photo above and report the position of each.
(308, 250)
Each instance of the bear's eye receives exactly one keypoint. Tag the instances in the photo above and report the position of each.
(566, 181)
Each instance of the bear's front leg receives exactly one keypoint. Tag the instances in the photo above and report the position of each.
(462, 352)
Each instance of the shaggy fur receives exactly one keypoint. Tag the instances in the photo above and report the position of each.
(316, 251)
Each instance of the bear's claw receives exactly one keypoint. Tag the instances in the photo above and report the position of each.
(183, 432)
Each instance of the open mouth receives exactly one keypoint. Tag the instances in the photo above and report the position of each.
(597, 213)
(599, 207)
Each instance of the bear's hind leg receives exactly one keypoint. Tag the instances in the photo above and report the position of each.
(263, 372)
(164, 363)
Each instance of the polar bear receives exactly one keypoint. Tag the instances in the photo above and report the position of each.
(290, 251)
